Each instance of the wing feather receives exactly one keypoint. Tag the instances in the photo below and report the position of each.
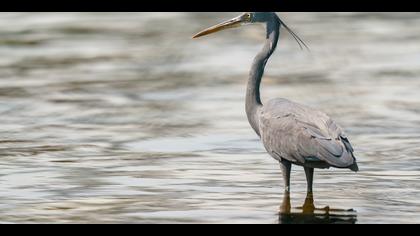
(300, 134)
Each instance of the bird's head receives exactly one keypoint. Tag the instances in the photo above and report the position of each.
(250, 18)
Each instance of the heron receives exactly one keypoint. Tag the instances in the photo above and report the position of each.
(291, 133)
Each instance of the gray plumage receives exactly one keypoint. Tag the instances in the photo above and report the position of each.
(291, 133)
(303, 135)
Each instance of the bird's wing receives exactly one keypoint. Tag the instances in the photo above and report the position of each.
(300, 134)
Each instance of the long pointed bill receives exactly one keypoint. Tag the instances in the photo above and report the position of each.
(233, 23)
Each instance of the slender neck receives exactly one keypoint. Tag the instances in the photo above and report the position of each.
(253, 100)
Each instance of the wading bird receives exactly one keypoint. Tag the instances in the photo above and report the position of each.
(291, 133)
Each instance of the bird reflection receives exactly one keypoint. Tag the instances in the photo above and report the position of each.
(309, 214)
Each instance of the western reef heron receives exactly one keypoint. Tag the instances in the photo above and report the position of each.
(291, 133)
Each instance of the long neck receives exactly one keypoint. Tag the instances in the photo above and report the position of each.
(253, 101)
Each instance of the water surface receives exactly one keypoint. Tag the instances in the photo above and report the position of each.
(122, 118)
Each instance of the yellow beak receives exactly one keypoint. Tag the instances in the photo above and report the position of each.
(233, 23)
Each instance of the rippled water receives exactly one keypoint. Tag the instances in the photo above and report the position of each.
(122, 118)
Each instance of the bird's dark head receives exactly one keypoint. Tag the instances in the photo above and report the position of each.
(249, 18)
(243, 19)
(262, 17)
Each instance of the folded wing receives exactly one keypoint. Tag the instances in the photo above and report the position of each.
(301, 134)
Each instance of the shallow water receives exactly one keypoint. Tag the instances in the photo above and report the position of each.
(122, 118)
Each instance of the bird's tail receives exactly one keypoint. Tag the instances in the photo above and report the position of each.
(354, 167)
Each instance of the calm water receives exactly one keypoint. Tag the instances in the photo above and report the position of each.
(122, 118)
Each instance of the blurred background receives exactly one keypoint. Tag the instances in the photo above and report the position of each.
(123, 118)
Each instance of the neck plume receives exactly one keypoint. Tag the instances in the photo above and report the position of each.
(253, 101)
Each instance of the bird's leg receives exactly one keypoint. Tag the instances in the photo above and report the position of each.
(308, 207)
(285, 206)
(286, 167)
(309, 178)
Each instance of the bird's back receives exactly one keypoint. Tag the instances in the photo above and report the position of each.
(304, 135)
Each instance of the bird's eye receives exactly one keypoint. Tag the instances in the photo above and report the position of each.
(248, 16)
